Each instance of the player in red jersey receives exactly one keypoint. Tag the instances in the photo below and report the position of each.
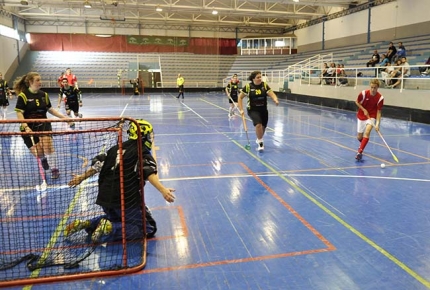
(60, 79)
(369, 103)
(73, 81)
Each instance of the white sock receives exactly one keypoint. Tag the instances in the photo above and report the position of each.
(4, 110)
(52, 160)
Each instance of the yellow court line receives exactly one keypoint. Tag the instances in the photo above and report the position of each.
(342, 222)
(391, 257)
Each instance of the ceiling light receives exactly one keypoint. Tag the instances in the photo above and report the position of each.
(214, 12)
(296, 0)
(87, 4)
(158, 9)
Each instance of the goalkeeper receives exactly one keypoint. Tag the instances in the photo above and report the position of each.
(108, 227)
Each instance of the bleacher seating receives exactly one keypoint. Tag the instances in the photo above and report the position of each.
(101, 69)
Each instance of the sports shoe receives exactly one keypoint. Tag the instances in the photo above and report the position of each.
(260, 145)
(55, 173)
(104, 228)
(44, 162)
(76, 226)
(358, 156)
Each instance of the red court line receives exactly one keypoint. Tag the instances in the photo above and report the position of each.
(181, 220)
(330, 246)
(290, 208)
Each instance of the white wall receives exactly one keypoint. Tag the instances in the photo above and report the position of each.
(383, 17)
(353, 24)
(9, 52)
(309, 34)
(416, 99)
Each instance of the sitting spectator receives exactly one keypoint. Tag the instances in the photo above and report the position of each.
(331, 74)
(324, 73)
(342, 77)
(383, 64)
(404, 71)
(384, 60)
(391, 52)
(424, 70)
(401, 52)
(386, 74)
(374, 60)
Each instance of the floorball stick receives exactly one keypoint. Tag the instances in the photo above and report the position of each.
(385, 142)
(248, 146)
(43, 186)
(234, 103)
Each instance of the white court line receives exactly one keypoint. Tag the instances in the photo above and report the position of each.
(293, 175)
(357, 176)
(125, 108)
(195, 112)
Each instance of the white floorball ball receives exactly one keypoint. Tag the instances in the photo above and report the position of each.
(382, 165)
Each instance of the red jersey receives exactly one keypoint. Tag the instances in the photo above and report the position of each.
(60, 79)
(71, 79)
(372, 104)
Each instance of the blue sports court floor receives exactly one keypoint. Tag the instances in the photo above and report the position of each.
(301, 215)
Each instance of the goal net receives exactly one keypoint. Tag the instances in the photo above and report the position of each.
(54, 231)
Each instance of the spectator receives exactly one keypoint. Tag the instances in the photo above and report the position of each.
(401, 52)
(324, 73)
(383, 63)
(384, 60)
(386, 74)
(331, 74)
(391, 52)
(374, 60)
(424, 70)
(395, 73)
(404, 71)
(342, 77)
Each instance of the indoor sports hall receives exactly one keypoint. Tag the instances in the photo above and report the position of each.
(302, 214)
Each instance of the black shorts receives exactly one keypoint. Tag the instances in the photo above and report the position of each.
(234, 98)
(73, 106)
(35, 127)
(4, 102)
(181, 88)
(260, 116)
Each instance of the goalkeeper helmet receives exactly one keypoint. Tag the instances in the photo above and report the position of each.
(145, 129)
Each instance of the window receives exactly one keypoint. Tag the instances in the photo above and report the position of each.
(9, 32)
